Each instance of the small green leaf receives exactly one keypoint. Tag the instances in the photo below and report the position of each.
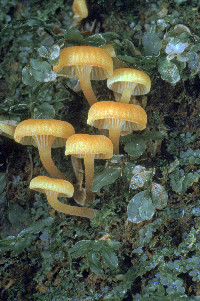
(140, 208)
(94, 264)
(109, 257)
(81, 248)
(95, 40)
(106, 177)
(168, 71)
(21, 245)
(7, 243)
(152, 44)
(73, 35)
(41, 71)
(159, 196)
(27, 78)
(44, 111)
(153, 135)
(135, 148)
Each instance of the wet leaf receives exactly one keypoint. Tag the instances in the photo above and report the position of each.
(106, 177)
(81, 248)
(140, 176)
(168, 71)
(2, 182)
(95, 40)
(135, 148)
(27, 78)
(94, 264)
(152, 44)
(41, 71)
(73, 36)
(109, 257)
(159, 196)
(44, 111)
(140, 208)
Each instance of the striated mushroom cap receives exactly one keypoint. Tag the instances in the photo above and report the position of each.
(26, 129)
(43, 183)
(129, 117)
(82, 145)
(99, 59)
(140, 80)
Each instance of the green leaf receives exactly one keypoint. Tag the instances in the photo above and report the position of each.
(7, 243)
(140, 208)
(159, 196)
(94, 264)
(168, 71)
(21, 245)
(106, 177)
(140, 177)
(27, 78)
(17, 215)
(81, 248)
(41, 71)
(152, 44)
(44, 111)
(153, 135)
(73, 35)
(37, 226)
(2, 182)
(135, 148)
(109, 257)
(95, 40)
(51, 53)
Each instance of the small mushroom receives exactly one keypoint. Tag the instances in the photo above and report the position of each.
(85, 63)
(45, 134)
(58, 187)
(80, 11)
(89, 147)
(116, 62)
(127, 82)
(119, 118)
(7, 128)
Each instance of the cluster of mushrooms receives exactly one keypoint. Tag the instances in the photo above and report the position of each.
(113, 118)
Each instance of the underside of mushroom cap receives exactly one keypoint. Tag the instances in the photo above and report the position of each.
(95, 57)
(129, 117)
(41, 183)
(26, 129)
(83, 145)
(122, 76)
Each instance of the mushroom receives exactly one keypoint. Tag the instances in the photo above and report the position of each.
(89, 147)
(7, 128)
(116, 62)
(45, 134)
(58, 187)
(80, 11)
(127, 82)
(118, 118)
(85, 63)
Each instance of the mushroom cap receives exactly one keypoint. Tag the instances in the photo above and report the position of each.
(41, 183)
(82, 145)
(121, 76)
(79, 9)
(7, 128)
(31, 127)
(134, 116)
(99, 59)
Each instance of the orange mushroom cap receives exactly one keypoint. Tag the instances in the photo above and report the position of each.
(79, 9)
(129, 82)
(29, 128)
(118, 118)
(82, 145)
(57, 187)
(45, 134)
(85, 63)
(89, 147)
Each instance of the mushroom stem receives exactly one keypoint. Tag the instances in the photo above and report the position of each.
(44, 144)
(67, 209)
(83, 73)
(89, 176)
(114, 135)
(128, 88)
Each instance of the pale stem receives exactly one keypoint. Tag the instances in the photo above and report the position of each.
(67, 209)
(83, 73)
(44, 143)
(128, 89)
(89, 176)
(114, 135)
